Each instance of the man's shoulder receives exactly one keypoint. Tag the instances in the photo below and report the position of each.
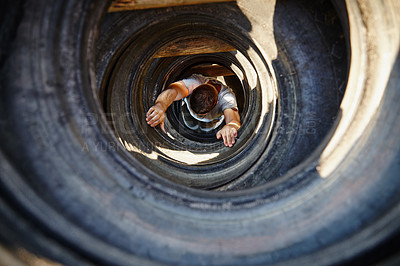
(198, 77)
(227, 99)
(225, 90)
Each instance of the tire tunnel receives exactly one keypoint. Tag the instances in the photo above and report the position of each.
(313, 178)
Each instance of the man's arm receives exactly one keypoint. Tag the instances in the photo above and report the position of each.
(174, 92)
(232, 125)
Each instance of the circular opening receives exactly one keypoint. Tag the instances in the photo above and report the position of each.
(204, 159)
(284, 111)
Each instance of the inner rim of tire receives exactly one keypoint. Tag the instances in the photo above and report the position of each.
(204, 160)
(184, 156)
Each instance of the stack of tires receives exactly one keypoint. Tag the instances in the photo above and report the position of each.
(320, 187)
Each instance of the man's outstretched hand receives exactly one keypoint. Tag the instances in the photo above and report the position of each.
(228, 133)
(155, 116)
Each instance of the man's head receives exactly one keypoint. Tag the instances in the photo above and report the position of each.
(203, 99)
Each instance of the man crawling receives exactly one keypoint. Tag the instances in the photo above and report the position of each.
(208, 101)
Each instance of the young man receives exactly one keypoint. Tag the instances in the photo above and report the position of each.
(208, 101)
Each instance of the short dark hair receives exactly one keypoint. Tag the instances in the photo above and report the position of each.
(203, 99)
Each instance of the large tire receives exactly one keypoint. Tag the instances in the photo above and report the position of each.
(279, 79)
(70, 192)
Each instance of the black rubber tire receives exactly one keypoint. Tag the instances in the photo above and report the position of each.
(301, 108)
(72, 194)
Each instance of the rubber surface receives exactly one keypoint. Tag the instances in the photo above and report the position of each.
(72, 193)
(274, 137)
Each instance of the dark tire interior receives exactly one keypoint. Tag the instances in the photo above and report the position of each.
(301, 109)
